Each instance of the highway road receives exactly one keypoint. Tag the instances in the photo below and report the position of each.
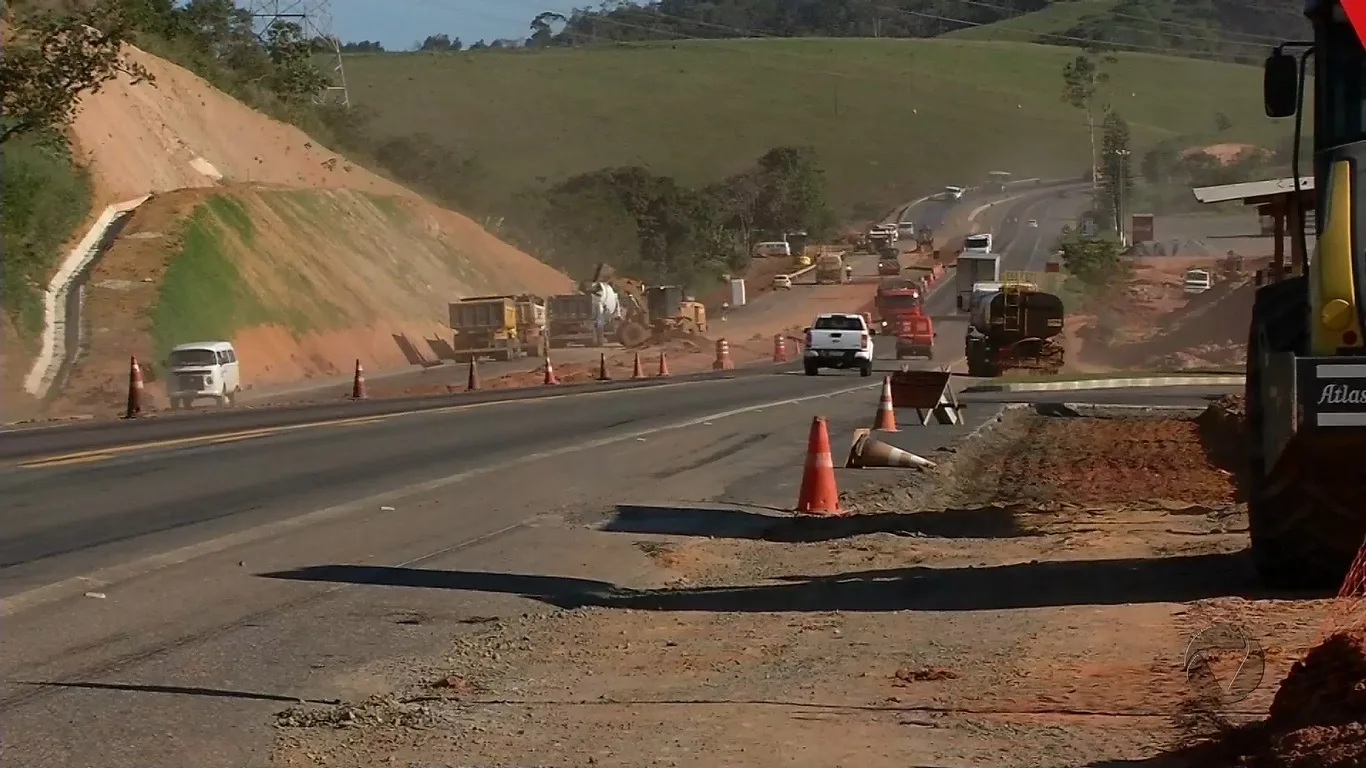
(140, 630)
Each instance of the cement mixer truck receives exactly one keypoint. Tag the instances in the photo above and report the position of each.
(589, 317)
(1013, 325)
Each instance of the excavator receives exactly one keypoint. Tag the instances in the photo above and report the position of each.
(653, 313)
(1306, 354)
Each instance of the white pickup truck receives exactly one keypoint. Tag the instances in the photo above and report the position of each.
(839, 340)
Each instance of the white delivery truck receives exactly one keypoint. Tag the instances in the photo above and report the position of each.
(975, 267)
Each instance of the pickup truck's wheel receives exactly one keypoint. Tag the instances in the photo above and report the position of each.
(811, 369)
(866, 369)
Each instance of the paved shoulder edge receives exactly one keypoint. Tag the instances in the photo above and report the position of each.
(1127, 383)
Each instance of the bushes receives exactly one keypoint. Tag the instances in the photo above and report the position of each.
(44, 198)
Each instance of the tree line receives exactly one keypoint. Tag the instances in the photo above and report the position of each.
(647, 225)
(1210, 28)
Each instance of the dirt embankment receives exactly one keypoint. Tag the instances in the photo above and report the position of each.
(258, 234)
(1152, 324)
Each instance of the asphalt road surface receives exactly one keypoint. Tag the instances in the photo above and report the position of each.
(140, 629)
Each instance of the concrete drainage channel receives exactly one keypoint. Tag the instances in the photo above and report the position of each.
(64, 299)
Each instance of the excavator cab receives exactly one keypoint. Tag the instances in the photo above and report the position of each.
(1306, 368)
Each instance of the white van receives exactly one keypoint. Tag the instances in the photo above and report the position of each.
(953, 193)
(1197, 281)
(777, 248)
(906, 229)
(203, 369)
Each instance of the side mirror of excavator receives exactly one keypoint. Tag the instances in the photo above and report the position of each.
(1280, 84)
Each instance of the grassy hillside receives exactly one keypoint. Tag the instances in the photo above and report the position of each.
(890, 118)
(302, 281)
(1054, 19)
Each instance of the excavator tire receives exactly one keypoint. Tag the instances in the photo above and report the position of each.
(633, 335)
(1304, 518)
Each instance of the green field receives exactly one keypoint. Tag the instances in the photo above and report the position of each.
(890, 118)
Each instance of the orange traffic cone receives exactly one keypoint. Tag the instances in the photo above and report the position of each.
(135, 389)
(885, 420)
(819, 495)
(723, 361)
(868, 452)
(473, 383)
(602, 368)
(663, 364)
(549, 372)
(779, 348)
(637, 373)
(358, 383)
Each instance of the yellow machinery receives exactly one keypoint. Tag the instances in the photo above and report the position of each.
(500, 327)
(653, 313)
(1306, 359)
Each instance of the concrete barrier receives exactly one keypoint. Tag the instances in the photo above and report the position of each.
(54, 352)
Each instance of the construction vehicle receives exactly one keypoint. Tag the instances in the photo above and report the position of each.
(1306, 353)
(924, 240)
(500, 327)
(1014, 325)
(830, 269)
(588, 317)
(895, 298)
(914, 335)
(653, 313)
(974, 267)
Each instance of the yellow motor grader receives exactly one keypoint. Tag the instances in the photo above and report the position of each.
(1306, 367)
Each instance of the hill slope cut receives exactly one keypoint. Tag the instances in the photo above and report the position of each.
(258, 234)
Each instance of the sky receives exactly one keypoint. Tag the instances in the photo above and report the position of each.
(397, 24)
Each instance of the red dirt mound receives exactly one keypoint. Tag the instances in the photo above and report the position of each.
(1317, 720)
(1327, 688)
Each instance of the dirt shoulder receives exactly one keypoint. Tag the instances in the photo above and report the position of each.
(1030, 603)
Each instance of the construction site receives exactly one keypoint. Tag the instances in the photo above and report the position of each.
(455, 506)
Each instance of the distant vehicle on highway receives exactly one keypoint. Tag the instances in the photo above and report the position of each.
(1033, 223)
(782, 282)
(906, 229)
(777, 248)
(841, 341)
(203, 370)
(888, 232)
(980, 242)
(953, 193)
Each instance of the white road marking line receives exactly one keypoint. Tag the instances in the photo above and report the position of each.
(126, 571)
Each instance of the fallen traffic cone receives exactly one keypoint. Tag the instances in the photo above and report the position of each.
(549, 372)
(358, 383)
(723, 361)
(602, 368)
(779, 348)
(135, 389)
(868, 452)
(663, 364)
(885, 420)
(637, 373)
(819, 494)
(472, 383)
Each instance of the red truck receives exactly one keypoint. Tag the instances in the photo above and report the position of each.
(896, 298)
(914, 336)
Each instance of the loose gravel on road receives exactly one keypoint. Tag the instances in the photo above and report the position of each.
(1032, 602)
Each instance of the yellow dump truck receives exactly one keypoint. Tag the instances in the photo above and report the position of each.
(500, 327)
